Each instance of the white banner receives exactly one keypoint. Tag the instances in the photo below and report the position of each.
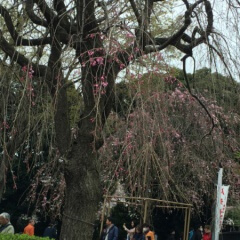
(223, 204)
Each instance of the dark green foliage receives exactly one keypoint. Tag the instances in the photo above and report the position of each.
(215, 86)
(75, 104)
(234, 214)
(123, 99)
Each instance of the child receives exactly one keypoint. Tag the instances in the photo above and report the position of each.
(207, 233)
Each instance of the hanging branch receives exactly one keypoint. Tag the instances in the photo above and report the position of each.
(196, 97)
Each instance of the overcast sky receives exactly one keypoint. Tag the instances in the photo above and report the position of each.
(226, 25)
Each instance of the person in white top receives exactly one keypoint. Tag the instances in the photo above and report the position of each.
(5, 224)
(131, 231)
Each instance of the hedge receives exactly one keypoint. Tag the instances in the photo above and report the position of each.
(21, 237)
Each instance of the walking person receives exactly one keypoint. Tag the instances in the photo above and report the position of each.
(29, 229)
(197, 235)
(190, 234)
(130, 231)
(138, 234)
(111, 232)
(5, 224)
(149, 235)
(50, 231)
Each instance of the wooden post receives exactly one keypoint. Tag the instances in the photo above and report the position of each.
(108, 208)
(185, 225)
(189, 220)
(102, 216)
(145, 211)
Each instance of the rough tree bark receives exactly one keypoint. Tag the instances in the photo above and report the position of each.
(83, 187)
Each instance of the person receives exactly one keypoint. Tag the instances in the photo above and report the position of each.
(138, 235)
(207, 233)
(130, 231)
(149, 235)
(50, 231)
(229, 225)
(6, 226)
(111, 231)
(197, 235)
(171, 235)
(29, 229)
(190, 234)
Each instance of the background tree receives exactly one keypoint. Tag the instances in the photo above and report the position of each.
(48, 41)
(158, 159)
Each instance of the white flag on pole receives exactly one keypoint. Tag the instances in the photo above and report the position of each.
(223, 204)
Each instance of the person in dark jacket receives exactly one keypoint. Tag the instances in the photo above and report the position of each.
(138, 234)
(111, 232)
(50, 231)
(197, 235)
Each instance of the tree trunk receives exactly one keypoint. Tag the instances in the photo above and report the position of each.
(83, 192)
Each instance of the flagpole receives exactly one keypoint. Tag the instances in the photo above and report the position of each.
(217, 208)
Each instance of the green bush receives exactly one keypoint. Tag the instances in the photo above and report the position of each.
(234, 214)
(21, 237)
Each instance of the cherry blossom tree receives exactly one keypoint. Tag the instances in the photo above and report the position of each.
(167, 147)
(98, 40)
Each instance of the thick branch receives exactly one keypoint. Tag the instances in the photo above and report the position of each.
(59, 6)
(19, 41)
(208, 9)
(203, 34)
(47, 12)
(182, 47)
(86, 17)
(15, 56)
(61, 9)
(136, 12)
(35, 19)
(147, 13)
(159, 44)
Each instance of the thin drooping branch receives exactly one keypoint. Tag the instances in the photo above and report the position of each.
(196, 97)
